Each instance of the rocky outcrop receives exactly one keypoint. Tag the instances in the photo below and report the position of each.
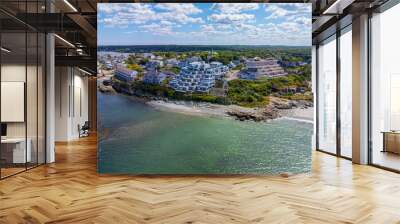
(106, 89)
(284, 104)
(245, 116)
(261, 114)
(270, 113)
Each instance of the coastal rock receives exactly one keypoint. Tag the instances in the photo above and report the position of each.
(283, 106)
(247, 116)
(270, 113)
(106, 89)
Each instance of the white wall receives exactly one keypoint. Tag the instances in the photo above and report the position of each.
(71, 102)
(14, 72)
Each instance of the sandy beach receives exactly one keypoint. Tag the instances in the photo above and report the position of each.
(306, 115)
(191, 108)
(208, 109)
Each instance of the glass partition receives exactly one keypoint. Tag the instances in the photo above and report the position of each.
(385, 89)
(346, 92)
(13, 105)
(22, 87)
(327, 95)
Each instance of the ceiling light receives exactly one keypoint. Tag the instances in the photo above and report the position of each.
(64, 40)
(70, 5)
(86, 72)
(5, 50)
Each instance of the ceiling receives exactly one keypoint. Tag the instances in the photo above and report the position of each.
(74, 22)
(331, 15)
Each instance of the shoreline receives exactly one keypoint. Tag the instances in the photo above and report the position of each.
(277, 109)
(216, 110)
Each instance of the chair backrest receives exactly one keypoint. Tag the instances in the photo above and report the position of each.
(86, 125)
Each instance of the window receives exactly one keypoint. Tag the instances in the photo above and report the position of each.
(385, 89)
(327, 95)
(346, 93)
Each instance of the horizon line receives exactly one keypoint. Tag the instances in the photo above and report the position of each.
(115, 45)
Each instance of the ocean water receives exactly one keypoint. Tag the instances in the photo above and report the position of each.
(138, 139)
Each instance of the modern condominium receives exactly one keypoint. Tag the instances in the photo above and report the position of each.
(198, 77)
(257, 68)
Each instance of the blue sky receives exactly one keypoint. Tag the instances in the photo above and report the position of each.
(204, 23)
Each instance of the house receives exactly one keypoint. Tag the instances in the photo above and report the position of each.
(172, 62)
(149, 55)
(153, 64)
(124, 74)
(231, 65)
(188, 61)
(154, 77)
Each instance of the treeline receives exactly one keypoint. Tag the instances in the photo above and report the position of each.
(187, 48)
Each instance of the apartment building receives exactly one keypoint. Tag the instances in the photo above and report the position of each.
(198, 76)
(257, 68)
(125, 74)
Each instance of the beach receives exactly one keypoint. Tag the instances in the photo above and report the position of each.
(208, 109)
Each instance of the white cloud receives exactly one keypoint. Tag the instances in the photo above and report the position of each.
(281, 10)
(178, 18)
(166, 22)
(299, 7)
(231, 18)
(234, 7)
(157, 29)
(303, 20)
(184, 8)
(276, 11)
(291, 27)
(108, 8)
(121, 15)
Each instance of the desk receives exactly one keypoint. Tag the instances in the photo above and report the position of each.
(391, 141)
(19, 155)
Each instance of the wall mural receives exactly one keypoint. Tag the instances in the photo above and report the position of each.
(221, 88)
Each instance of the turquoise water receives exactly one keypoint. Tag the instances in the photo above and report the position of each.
(138, 139)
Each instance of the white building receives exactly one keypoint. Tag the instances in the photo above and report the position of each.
(219, 69)
(258, 68)
(198, 77)
(124, 74)
(188, 61)
(154, 77)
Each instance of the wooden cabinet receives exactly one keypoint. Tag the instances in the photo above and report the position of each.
(391, 142)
